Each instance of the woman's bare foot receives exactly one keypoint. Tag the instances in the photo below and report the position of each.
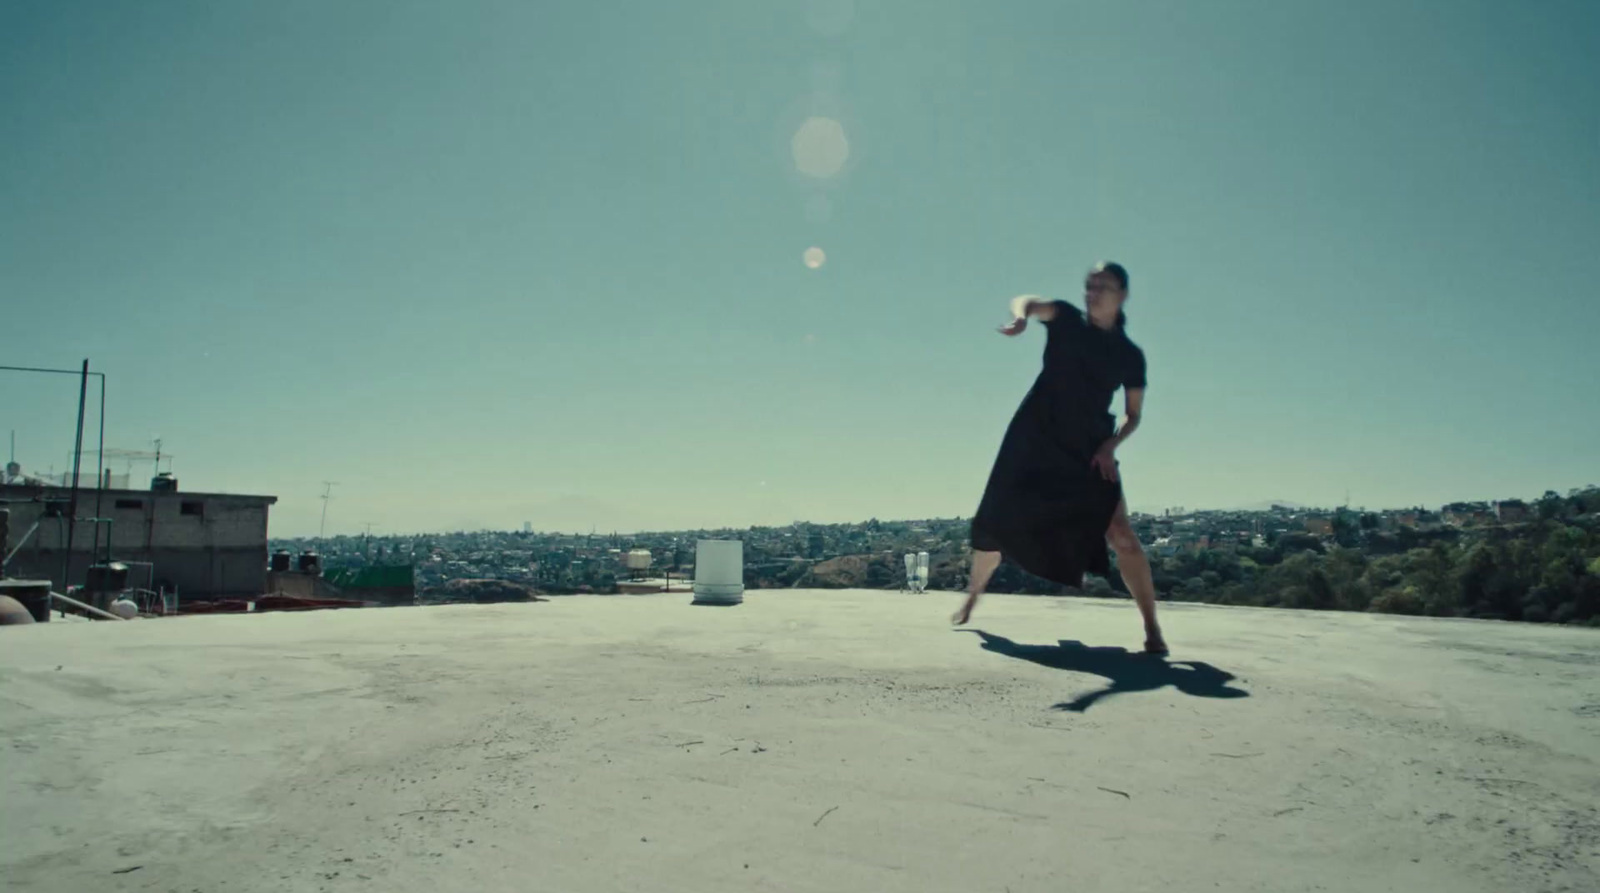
(1154, 643)
(961, 617)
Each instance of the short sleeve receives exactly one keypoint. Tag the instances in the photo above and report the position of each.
(1065, 314)
(1133, 376)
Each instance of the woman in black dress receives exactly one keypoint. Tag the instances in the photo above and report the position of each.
(1054, 498)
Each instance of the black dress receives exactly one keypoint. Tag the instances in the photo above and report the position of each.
(1045, 508)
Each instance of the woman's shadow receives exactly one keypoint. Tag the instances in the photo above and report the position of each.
(1127, 671)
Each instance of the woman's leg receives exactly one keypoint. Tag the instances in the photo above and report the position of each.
(983, 567)
(1135, 570)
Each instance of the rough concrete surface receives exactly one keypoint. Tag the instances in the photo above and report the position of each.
(802, 741)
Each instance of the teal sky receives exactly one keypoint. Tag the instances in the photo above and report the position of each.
(487, 263)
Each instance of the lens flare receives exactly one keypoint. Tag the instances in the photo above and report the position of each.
(820, 148)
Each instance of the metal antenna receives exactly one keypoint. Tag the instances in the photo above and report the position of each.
(327, 494)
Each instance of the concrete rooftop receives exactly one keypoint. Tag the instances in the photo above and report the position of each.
(803, 741)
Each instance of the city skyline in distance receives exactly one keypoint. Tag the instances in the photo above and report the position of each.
(1261, 508)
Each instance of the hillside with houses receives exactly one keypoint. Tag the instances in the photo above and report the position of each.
(1534, 560)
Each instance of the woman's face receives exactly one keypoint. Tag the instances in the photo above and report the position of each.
(1102, 295)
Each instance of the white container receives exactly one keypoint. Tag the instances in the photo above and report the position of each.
(922, 571)
(911, 571)
(719, 572)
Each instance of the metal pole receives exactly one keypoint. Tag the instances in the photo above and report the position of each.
(77, 453)
(91, 610)
(100, 477)
(38, 369)
(327, 494)
(77, 462)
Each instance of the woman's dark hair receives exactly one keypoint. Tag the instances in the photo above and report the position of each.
(1115, 271)
(1120, 273)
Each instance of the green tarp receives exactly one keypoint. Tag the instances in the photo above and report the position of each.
(393, 576)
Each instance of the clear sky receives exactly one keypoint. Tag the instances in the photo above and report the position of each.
(492, 262)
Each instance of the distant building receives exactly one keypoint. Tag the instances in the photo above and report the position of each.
(1319, 526)
(1511, 511)
(204, 545)
(1466, 514)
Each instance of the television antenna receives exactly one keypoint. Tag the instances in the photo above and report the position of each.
(327, 495)
(131, 456)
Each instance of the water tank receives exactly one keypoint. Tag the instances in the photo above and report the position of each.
(639, 560)
(111, 577)
(310, 563)
(14, 613)
(164, 483)
(719, 572)
(281, 560)
(32, 595)
(125, 608)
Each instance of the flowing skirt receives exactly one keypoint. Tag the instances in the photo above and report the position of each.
(1045, 508)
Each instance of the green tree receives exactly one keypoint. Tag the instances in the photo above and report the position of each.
(1346, 529)
(1584, 500)
(1549, 506)
(1473, 576)
(1429, 578)
(1290, 543)
(1289, 582)
(1385, 572)
(1346, 571)
(1586, 604)
(1319, 591)
(1264, 556)
(1399, 600)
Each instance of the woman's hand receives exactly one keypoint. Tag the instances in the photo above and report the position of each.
(1015, 327)
(1105, 461)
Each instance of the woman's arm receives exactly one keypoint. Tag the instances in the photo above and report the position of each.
(1133, 409)
(1024, 306)
(1105, 459)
